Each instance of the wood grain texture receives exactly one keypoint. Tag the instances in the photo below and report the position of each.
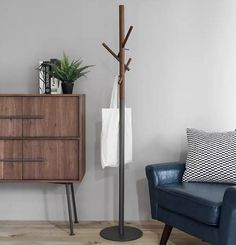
(61, 116)
(40, 138)
(60, 159)
(11, 157)
(86, 233)
(56, 134)
(40, 95)
(82, 130)
(10, 106)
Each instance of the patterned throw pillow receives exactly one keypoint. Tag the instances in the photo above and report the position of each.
(211, 157)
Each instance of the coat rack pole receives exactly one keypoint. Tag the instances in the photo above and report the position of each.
(121, 232)
(122, 118)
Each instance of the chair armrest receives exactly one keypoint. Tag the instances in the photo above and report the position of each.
(162, 174)
(227, 234)
(165, 173)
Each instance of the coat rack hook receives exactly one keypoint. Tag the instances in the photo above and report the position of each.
(120, 80)
(128, 63)
(127, 36)
(127, 68)
(114, 55)
(110, 51)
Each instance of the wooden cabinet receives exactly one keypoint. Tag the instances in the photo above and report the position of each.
(42, 137)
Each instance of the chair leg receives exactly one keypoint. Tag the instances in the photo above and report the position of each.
(166, 234)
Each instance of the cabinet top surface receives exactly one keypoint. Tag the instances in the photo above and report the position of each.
(41, 95)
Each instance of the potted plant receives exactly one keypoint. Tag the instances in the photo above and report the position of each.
(68, 72)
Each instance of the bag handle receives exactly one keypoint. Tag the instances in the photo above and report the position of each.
(114, 94)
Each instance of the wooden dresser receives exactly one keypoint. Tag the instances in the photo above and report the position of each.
(42, 137)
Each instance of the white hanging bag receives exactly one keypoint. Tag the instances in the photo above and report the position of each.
(110, 132)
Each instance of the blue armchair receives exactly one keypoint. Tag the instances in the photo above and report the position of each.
(204, 210)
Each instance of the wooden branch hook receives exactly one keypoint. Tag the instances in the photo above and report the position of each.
(114, 55)
(120, 80)
(126, 39)
(128, 63)
(127, 36)
(110, 51)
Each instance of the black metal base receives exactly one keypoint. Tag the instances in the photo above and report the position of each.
(112, 234)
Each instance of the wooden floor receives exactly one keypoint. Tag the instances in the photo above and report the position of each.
(87, 233)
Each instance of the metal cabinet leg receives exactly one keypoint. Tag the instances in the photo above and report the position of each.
(74, 203)
(69, 209)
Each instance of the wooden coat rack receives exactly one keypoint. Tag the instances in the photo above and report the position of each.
(121, 232)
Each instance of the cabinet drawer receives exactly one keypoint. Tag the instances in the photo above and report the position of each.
(10, 159)
(50, 159)
(10, 116)
(52, 116)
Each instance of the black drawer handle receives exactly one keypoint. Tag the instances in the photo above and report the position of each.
(10, 117)
(8, 160)
(33, 160)
(22, 117)
(20, 160)
(33, 117)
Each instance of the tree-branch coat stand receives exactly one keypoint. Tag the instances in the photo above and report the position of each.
(121, 232)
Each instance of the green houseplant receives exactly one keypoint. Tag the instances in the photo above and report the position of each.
(68, 72)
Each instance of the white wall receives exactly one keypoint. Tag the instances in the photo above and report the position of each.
(183, 75)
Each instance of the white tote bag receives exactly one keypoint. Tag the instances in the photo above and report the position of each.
(110, 132)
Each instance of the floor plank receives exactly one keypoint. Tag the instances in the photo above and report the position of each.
(86, 233)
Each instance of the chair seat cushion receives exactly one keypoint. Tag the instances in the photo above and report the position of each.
(199, 201)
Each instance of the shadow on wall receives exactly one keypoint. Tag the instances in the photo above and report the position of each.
(60, 196)
(143, 198)
(42, 193)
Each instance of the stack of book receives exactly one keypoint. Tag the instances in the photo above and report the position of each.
(48, 84)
